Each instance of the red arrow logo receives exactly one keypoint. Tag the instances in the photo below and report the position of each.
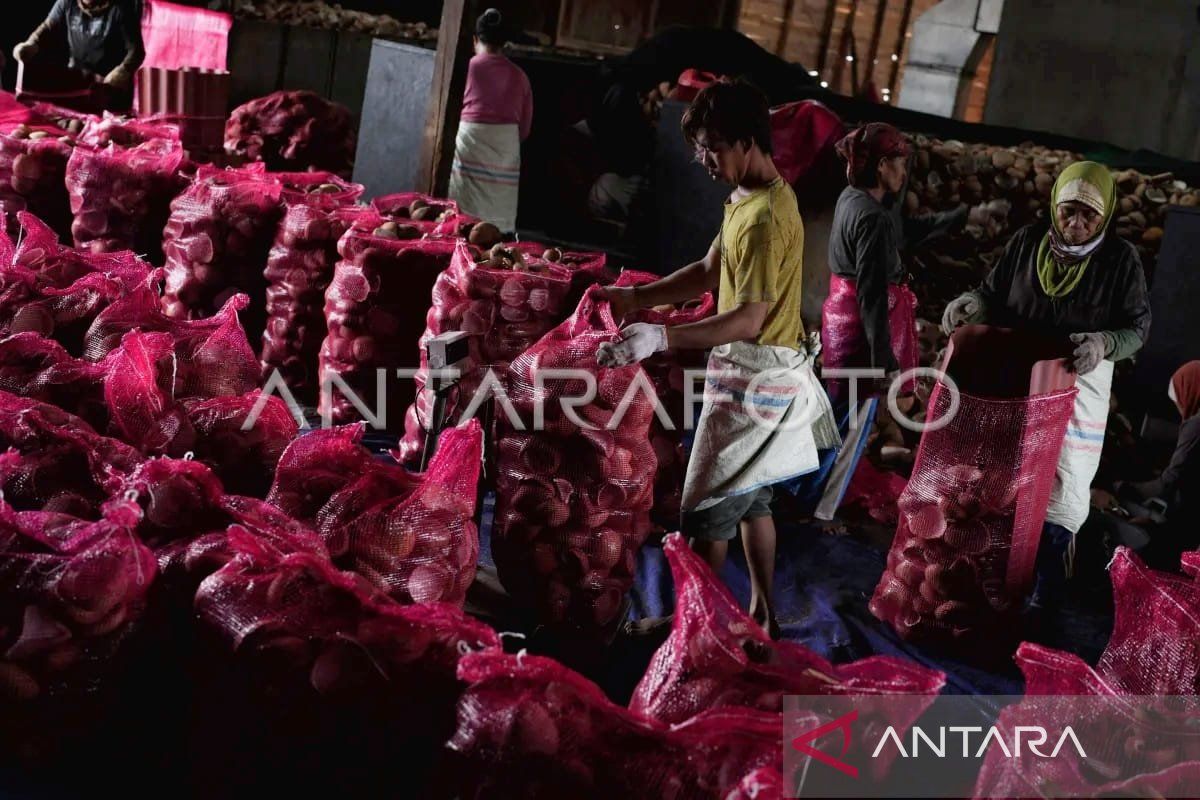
(802, 743)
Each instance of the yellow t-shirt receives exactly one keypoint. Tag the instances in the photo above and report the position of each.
(762, 252)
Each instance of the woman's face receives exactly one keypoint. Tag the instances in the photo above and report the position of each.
(1078, 223)
(892, 171)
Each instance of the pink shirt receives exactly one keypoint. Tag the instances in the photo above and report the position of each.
(497, 93)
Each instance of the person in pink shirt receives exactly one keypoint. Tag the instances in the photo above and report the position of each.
(496, 116)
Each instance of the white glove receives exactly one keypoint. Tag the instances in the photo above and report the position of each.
(638, 342)
(960, 310)
(1092, 349)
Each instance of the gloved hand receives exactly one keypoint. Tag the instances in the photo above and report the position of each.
(1091, 350)
(638, 341)
(959, 311)
(25, 51)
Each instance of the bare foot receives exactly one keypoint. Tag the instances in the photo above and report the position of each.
(833, 527)
(765, 618)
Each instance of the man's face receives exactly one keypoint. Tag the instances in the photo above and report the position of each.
(892, 172)
(724, 161)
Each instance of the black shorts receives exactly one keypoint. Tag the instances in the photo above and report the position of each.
(719, 523)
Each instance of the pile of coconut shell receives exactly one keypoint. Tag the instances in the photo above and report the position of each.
(1007, 188)
(317, 14)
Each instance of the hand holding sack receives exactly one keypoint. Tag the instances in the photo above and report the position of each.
(1090, 350)
(961, 310)
(574, 499)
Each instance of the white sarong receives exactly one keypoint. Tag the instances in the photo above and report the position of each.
(1071, 498)
(764, 417)
(486, 173)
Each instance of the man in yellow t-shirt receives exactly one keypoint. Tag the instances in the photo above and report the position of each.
(755, 264)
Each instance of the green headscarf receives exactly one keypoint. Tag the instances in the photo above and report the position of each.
(1059, 275)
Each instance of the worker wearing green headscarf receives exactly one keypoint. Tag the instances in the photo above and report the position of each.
(1070, 277)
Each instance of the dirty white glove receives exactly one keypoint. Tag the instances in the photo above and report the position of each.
(1090, 351)
(24, 51)
(638, 342)
(960, 310)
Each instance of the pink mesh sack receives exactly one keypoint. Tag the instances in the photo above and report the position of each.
(1190, 564)
(243, 458)
(374, 312)
(1155, 643)
(213, 358)
(573, 501)
(216, 241)
(528, 727)
(41, 369)
(33, 167)
(317, 639)
(666, 372)
(299, 270)
(1130, 752)
(507, 304)
(422, 211)
(57, 266)
(316, 466)
(972, 512)
(843, 341)
(140, 396)
(58, 462)
(70, 593)
(413, 536)
(875, 491)
(717, 656)
(121, 195)
(293, 131)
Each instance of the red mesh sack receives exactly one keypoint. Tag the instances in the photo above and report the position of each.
(244, 459)
(875, 491)
(413, 536)
(529, 727)
(216, 240)
(458, 226)
(213, 358)
(140, 396)
(58, 462)
(293, 131)
(413, 208)
(326, 641)
(718, 656)
(299, 270)
(801, 132)
(123, 131)
(972, 512)
(1125, 756)
(573, 503)
(121, 195)
(1190, 564)
(33, 168)
(843, 340)
(508, 304)
(315, 466)
(41, 369)
(70, 593)
(57, 266)
(666, 372)
(1155, 643)
(374, 310)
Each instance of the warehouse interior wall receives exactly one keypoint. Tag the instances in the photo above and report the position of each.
(1105, 70)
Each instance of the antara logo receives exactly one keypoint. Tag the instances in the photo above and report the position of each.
(1037, 737)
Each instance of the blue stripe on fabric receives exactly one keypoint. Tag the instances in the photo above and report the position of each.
(758, 400)
(1078, 434)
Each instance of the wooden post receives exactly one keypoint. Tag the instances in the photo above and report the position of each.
(446, 94)
(901, 39)
(781, 43)
(876, 35)
(846, 48)
(826, 35)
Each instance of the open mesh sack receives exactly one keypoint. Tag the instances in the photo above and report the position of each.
(217, 238)
(573, 501)
(666, 372)
(121, 193)
(504, 305)
(1190, 564)
(244, 458)
(843, 340)
(320, 209)
(529, 727)
(293, 130)
(972, 512)
(1131, 752)
(33, 168)
(41, 369)
(213, 357)
(412, 535)
(56, 461)
(374, 312)
(422, 211)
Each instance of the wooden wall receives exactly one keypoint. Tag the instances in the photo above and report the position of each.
(821, 34)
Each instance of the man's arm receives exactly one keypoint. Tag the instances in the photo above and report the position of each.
(135, 48)
(680, 286)
(742, 323)
(55, 21)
